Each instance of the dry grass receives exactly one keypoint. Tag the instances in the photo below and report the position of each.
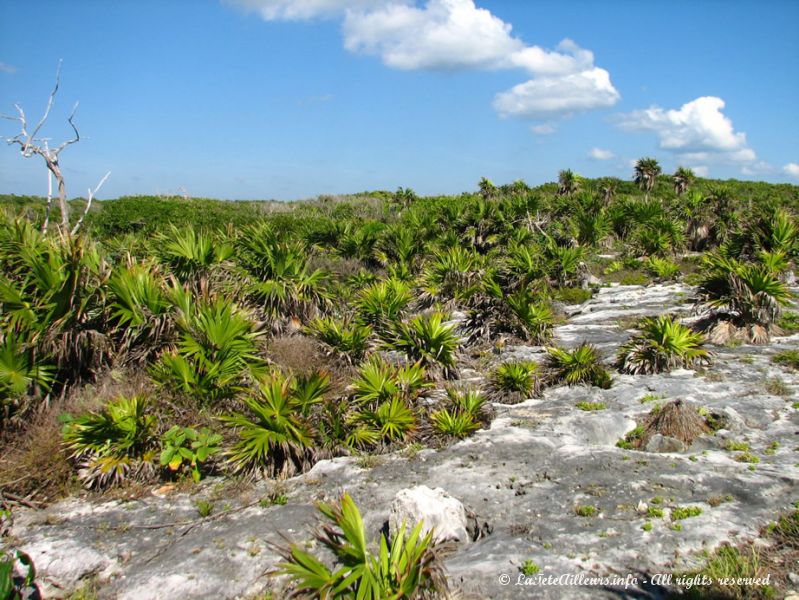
(302, 354)
(677, 419)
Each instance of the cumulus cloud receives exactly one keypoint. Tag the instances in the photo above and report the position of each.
(458, 35)
(301, 10)
(791, 169)
(600, 154)
(543, 129)
(700, 170)
(559, 95)
(698, 131)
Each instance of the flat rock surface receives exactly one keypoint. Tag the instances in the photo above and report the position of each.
(528, 476)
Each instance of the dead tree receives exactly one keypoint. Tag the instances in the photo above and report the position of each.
(31, 145)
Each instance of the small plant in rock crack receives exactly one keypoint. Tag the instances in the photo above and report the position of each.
(462, 415)
(184, 446)
(679, 513)
(529, 568)
(591, 406)
(408, 565)
(582, 365)
(204, 508)
(514, 382)
(662, 268)
(787, 358)
(586, 510)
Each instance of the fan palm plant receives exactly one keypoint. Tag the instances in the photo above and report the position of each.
(190, 254)
(682, 179)
(742, 299)
(345, 339)
(216, 351)
(427, 340)
(453, 275)
(568, 182)
(276, 437)
(662, 345)
(582, 365)
(113, 444)
(646, 172)
(514, 382)
(407, 567)
(383, 303)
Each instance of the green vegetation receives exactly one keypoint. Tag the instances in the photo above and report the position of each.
(191, 336)
(590, 406)
(678, 513)
(529, 568)
(583, 365)
(788, 358)
(406, 567)
(586, 510)
(662, 345)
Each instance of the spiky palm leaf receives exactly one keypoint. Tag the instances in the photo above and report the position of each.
(662, 345)
(582, 365)
(427, 340)
(276, 437)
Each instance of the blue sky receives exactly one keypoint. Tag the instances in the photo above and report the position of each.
(291, 99)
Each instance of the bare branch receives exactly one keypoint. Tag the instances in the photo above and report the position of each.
(49, 103)
(75, 129)
(89, 203)
(49, 198)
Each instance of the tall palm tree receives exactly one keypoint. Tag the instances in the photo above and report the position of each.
(646, 171)
(682, 178)
(568, 182)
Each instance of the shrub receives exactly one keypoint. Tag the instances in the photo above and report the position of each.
(427, 340)
(217, 349)
(514, 382)
(113, 444)
(662, 268)
(663, 344)
(408, 566)
(582, 365)
(184, 446)
(383, 303)
(347, 340)
(277, 437)
(573, 295)
(461, 416)
(787, 358)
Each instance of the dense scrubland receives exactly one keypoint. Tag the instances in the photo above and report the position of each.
(174, 338)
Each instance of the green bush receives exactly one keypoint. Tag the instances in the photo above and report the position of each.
(582, 365)
(663, 344)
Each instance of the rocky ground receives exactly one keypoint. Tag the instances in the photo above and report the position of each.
(524, 480)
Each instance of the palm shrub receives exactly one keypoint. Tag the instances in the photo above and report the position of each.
(281, 279)
(216, 352)
(563, 262)
(779, 232)
(662, 268)
(406, 567)
(276, 435)
(53, 295)
(140, 307)
(113, 444)
(428, 341)
(383, 303)
(514, 382)
(659, 236)
(454, 274)
(345, 339)
(462, 414)
(582, 365)
(382, 399)
(741, 299)
(189, 254)
(20, 374)
(662, 345)
(520, 314)
(592, 228)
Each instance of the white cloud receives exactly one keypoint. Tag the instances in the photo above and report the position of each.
(301, 10)
(457, 35)
(444, 34)
(6, 68)
(700, 170)
(600, 154)
(560, 95)
(791, 169)
(698, 131)
(543, 129)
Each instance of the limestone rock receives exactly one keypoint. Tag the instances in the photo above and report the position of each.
(437, 509)
(664, 443)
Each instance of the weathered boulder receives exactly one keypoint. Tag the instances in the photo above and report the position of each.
(435, 508)
(664, 443)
